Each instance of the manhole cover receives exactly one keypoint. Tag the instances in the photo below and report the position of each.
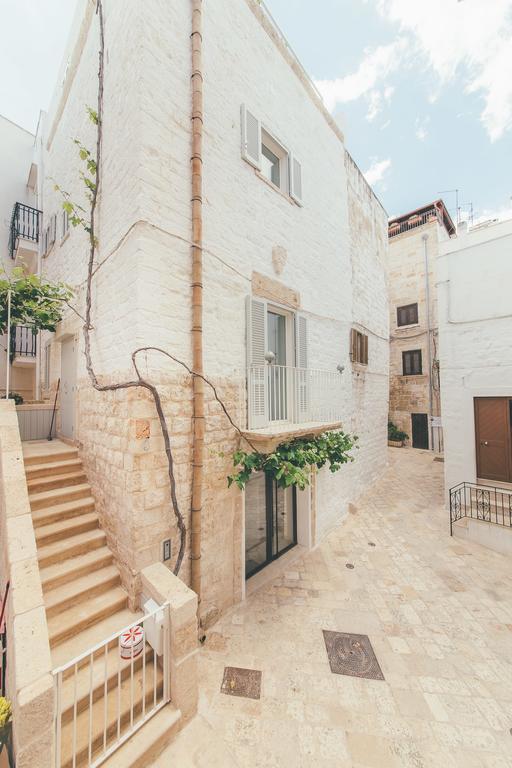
(371, 544)
(349, 565)
(241, 682)
(351, 655)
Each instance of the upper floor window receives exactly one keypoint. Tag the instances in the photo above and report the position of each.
(270, 157)
(411, 362)
(358, 347)
(65, 224)
(407, 315)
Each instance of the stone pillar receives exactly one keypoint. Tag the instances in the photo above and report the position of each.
(162, 586)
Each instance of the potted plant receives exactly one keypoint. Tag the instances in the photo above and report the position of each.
(6, 730)
(396, 437)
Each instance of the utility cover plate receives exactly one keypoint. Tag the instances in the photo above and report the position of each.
(241, 682)
(351, 655)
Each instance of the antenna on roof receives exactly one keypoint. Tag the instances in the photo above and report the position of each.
(457, 206)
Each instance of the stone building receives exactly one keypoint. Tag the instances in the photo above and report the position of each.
(414, 396)
(229, 217)
(18, 241)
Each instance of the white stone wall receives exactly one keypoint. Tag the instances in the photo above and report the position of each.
(142, 293)
(475, 328)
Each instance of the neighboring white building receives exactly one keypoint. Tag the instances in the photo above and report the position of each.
(475, 335)
(305, 254)
(19, 226)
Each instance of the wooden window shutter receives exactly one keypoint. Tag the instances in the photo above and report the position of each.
(295, 174)
(251, 138)
(301, 376)
(301, 341)
(353, 345)
(365, 350)
(257, 394)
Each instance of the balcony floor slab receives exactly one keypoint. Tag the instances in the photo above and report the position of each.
(268, 438)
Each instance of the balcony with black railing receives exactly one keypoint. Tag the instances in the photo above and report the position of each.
(25, 232)
(23, 344)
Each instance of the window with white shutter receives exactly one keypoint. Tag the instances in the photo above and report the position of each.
(251, 138)
(257, 365)
(295, 174)
(301, 361)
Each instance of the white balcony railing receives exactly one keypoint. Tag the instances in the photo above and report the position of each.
(279, 394)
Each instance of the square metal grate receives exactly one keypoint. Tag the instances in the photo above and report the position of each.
(241, 682)
(351, 655)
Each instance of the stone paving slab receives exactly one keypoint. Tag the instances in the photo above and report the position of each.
(438, 613)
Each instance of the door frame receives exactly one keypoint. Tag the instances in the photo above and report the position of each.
(508, 398)
(66, 339)
(269, 525)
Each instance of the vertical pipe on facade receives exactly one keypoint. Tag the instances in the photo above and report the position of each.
(429, 351)
(197, 296)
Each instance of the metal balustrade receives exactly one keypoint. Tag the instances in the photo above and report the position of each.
(23, 341)
(416, 220)
(25, 224)
(288, 395)
(104, 695)
(488, 503)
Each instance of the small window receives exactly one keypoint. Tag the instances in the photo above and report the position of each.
(359, 347)
(274, 161)
(407, 315)
(411, 362)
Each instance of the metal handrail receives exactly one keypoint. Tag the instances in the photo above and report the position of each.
(50, 436)
(478, 501)
(3, 641)
(416, 220)
(23, 341)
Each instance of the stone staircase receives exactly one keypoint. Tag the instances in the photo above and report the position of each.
(85, 604)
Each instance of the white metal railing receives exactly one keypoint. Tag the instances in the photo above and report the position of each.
(108, 692)
(285, 394)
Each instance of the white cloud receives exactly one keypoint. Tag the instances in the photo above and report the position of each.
(377, 64)
(420, 127)
(376, 171)
(470, 39)
(377, 100)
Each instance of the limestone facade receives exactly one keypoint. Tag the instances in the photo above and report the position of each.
(407, 285)
(327, 254)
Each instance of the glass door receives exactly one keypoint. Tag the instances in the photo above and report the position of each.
(270, 522)
(278, 399)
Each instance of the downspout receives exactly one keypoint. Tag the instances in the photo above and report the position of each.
(429, 351)
(197, 297)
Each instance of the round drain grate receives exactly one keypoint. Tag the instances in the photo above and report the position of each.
(349, 565)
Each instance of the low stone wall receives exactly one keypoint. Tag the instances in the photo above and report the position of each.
(29, 679)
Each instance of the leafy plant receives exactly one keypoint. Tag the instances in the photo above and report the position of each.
(290, 463)
(34, 300)
(18, 399)
(396, 435)
(5, 711)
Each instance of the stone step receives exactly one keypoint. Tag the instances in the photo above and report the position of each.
(78, 590)
(124, 704)
(49, 456)
(141, 749)
(33, 471)
(65, 529)
(47, 499)
(74, 620)
(75, 545)
(53, 576)
(62, 511)
(39, 484)
(90, 636)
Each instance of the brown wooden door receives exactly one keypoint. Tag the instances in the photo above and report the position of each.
(493, 449)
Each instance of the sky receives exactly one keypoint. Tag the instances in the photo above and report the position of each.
(422, 90)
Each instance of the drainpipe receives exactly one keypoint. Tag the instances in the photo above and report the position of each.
(429, 351)
(197, 297)
(8, 355)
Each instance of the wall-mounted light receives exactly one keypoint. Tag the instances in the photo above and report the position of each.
(340, 368)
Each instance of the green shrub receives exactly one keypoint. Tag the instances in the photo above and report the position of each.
(396, 435)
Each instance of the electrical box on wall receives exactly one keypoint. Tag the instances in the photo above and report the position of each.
(166, 550)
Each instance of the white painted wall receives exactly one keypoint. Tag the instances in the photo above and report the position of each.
(475, 332)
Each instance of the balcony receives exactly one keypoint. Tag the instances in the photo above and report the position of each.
(285, 402)
(23, 345)
(24, 235)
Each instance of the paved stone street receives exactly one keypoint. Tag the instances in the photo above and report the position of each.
(438, 613)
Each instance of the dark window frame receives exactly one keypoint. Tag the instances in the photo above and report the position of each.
(359, 347)
(409, 368)
(408, 311)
